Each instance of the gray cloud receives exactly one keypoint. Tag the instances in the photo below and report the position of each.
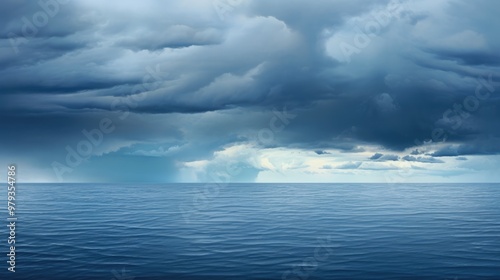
(350, 165)
(382, 157)
(187, 79)
(422, 159)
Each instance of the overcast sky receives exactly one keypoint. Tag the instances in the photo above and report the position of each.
(250, 91)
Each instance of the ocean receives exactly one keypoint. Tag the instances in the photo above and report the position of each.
(254, 231)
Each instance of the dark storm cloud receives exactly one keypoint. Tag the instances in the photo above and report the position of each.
(416, 152)
(469, 58)
(382, 157)
(482, 147)
(376, 156)
(422, 159)
(186, 78)
(178, 36)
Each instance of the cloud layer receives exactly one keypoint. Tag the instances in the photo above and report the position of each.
(331, 90)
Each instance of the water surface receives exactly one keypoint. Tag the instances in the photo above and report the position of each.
(256, 231)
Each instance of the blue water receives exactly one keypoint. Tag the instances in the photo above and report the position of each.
(256, 231)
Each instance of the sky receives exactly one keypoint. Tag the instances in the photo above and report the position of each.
(250, 91)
